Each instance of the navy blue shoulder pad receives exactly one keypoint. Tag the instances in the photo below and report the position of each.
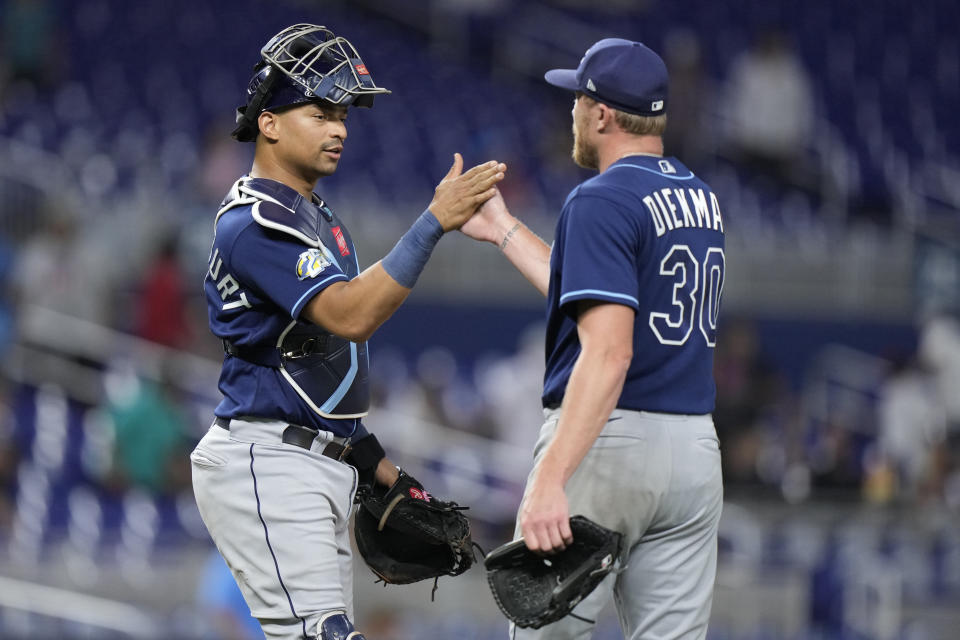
(275, 216)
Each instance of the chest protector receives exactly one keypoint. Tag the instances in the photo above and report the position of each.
(330, 373)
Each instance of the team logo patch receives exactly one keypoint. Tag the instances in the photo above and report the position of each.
(656, 105)
(341, 241)
(361, 69)
(311, 263)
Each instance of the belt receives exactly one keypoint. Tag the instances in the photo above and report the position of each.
(299, 436)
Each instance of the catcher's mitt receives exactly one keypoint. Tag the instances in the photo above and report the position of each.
(405, 535)
(534, 590)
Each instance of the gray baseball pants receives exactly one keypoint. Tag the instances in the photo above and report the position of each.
(279, 515)
(655, 478)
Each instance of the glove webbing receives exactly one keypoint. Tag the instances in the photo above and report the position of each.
(428, 505)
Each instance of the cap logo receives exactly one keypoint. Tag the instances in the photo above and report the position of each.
(656, 105)
(590, 85)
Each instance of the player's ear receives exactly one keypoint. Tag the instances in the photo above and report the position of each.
(605, 118)
(269, 125)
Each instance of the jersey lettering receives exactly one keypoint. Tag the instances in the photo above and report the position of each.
(242, 302)
(687, 272)
(700, 205)
(717, 220)
(713, 267)
(663, 210)
(675, 327)
(658, 223)
(667, 215)
(227, 285)
(213, 269)
(685, 208)
(667, 192)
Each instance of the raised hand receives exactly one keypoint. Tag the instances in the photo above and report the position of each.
(491, 221)
(459, 194)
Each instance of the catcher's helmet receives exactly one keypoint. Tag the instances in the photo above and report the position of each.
(304, 63)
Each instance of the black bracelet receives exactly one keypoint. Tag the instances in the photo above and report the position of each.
(366, 453)
(506, 238)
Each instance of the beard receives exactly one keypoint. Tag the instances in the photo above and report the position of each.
(584, 154)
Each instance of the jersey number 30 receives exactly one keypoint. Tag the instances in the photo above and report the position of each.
(697, 285)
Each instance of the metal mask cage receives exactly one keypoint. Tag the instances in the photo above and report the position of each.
(328, 67)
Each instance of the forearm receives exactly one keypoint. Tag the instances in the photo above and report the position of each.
(387, 472)
(591, 396)
(355, 309)
(528, 253)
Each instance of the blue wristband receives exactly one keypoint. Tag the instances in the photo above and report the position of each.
(409, 256)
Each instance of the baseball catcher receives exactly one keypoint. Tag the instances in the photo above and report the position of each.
(534, 590)
(276, 474)
(406, 535)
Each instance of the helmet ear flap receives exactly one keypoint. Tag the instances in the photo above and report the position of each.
(247, 128)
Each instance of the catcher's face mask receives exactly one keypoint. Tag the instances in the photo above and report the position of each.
(305, 63)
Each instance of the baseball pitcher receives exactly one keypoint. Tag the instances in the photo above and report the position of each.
(633, 286)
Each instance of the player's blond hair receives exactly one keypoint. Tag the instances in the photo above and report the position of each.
(641, 125)
(638, 125)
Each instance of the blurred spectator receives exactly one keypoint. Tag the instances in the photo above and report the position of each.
(445, 398)
(152, 440)
(65, 271)
(222, 160)
(912, 428)
(161, 308)
(7, 308)
(835, 458)
(511, 388)
(28, 37)
(939, 349)
(686, 136)
(769, 102)
(9, 460)
(747, 386)
(390, 378)
(222, 605)
(436, 371)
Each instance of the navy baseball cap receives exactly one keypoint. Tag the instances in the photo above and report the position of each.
(622, 74)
